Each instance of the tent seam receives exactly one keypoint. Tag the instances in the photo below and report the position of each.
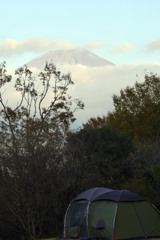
(114, 220)
(139, 220)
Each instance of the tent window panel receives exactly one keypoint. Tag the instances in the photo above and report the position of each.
(78, 213)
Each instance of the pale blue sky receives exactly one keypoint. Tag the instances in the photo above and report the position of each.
(125, 32)
(122, 31)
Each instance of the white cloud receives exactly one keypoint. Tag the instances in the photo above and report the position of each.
(10, 47)
(154, 45)
(123, 48)
(94, 44)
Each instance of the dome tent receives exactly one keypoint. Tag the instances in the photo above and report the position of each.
(102, 213)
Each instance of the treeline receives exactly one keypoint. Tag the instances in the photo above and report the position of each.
(44, 165)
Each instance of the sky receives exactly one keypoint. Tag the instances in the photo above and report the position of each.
(125, 32)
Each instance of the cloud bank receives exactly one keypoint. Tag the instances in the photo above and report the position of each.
(154, 45)
(95, 86)
(123, 48)
(10, 47)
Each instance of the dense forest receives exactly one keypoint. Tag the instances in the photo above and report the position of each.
(44, 164)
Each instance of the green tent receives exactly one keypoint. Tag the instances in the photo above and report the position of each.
(102, 213)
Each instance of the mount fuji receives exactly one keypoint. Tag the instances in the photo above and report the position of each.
(71, 57)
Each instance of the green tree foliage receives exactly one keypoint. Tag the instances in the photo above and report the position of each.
(32, 134)
(146, 173)
(137, 113)
(137, 109)
(98, 157)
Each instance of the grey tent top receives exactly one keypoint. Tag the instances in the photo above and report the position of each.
(94, 194)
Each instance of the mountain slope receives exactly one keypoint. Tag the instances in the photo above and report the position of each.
(72, 57)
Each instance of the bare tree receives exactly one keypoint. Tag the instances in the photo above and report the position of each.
(32, 134)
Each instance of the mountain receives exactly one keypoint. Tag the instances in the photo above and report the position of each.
(72, 57)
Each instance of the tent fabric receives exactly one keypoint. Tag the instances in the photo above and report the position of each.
(120, 196)
(95, 194)
(149, 217)
(103, 213)
(127, 225)
(135, 220)
(92, 194)
(101, 210)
